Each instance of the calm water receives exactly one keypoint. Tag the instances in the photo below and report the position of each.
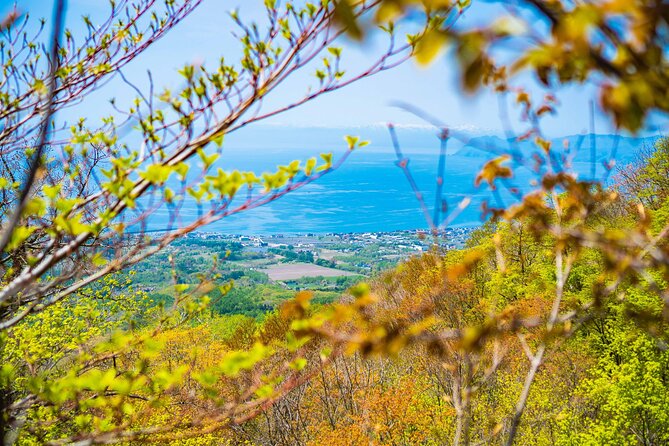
(369, 193)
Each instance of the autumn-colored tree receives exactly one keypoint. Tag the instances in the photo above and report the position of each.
(585, 264)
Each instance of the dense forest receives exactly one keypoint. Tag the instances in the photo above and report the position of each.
(549, 326)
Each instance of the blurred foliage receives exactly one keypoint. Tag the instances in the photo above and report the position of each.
(618, 44)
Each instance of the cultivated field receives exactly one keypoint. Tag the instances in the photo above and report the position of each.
(328, 254)
(291, 271)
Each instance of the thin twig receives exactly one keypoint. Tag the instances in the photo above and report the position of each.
(10, 225)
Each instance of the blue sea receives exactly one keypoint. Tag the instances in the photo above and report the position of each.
(370, 193)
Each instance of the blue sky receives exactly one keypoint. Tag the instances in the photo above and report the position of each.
(206, 35)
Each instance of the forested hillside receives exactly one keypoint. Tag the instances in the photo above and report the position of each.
(544, 324)
(602, 378)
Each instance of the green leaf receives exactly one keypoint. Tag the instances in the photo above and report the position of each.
(298, 364)
(351, 141)
(207, 160)
(327, 157)
(19, 235)
(181, 170)
(168, 195)
(157, 173)
(218, 139)
(309, 168)
(35, 207)
(52, 191)
(335, 51)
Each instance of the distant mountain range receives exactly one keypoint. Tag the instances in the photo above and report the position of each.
(621, 148)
